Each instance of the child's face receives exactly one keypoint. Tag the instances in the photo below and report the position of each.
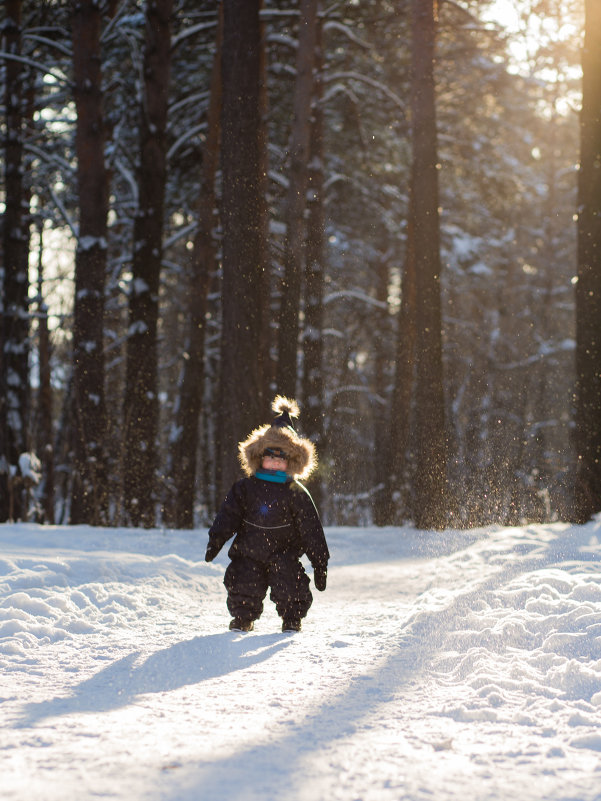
(274, 462)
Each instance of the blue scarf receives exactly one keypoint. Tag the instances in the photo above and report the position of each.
(277, 476)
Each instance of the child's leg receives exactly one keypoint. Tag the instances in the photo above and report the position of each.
(289, 587)
(246, 584)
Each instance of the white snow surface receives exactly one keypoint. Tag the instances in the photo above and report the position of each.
(457, 665)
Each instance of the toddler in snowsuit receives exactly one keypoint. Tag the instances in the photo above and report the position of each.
(275, 522)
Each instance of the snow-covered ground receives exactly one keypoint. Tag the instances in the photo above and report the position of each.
(462, 665)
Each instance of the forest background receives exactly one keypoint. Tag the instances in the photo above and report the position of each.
(373, 206)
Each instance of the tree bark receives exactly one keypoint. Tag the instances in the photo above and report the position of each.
(394, 498)
(288, 334)
(44, 412)
(14, 331)
(382, 495)
(313, 385)
(244, 246)
(141, 407)
(587, 496)
(267, 362)
(89, 495)
(430, 491)
(184, 444)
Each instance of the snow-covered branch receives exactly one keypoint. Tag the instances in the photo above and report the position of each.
(181, 233)
(545, 351)
(49, 158)
(63, 212)
(185, 137)
(44, 68)
(129, 177)
(356, 294)
(197, 98)
(191, 31)
(272, 13)
(378, 85)
(57, 45)
(114, 20)
(348, 32)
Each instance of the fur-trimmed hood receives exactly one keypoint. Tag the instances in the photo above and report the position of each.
(302, 457)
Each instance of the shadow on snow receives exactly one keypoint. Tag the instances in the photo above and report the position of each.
(183, 663)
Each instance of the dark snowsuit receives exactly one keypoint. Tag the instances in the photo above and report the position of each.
(275, 524)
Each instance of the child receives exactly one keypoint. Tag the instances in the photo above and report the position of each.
(275, 522)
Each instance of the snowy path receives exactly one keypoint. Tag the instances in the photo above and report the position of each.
(459, 666)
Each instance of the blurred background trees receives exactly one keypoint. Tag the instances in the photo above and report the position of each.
(185, 199)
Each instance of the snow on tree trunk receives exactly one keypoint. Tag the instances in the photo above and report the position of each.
(89, 494)
(588, 288)
(244, 246)
(296, 199)
(141, 407)
(430, 441)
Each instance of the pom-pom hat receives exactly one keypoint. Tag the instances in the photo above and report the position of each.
(279, 434)
(285, 409)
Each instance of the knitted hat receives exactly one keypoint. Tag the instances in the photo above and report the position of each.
(280, 434)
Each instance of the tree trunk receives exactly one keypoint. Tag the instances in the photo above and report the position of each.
(267, 363)
(382, 495)
(288, 333)
(89, 497)
(184, 447)
(44, 413)
(587, 498)
(430, 479)
(313, 387)
(141, 407)
(14, 333)
(395, 498)
(244, 247)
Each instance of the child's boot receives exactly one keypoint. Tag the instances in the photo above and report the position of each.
(241, 625)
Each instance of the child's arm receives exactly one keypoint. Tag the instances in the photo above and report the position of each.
(226, 523)
(312, 535)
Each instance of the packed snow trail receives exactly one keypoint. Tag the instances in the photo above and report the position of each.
(436, 665)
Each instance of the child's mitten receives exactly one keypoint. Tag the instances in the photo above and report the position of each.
(320, 577)
(212, 551)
